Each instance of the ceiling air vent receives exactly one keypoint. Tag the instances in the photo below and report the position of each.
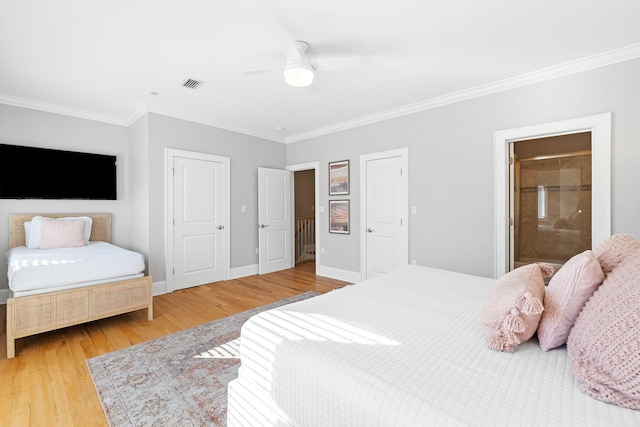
(192, 83)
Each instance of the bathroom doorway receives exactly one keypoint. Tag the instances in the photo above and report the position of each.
(550, 199)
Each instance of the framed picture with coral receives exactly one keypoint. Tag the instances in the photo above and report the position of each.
(339, 216)
(339, 178)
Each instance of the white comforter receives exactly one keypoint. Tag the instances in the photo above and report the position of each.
(406, 349)
(37, 270)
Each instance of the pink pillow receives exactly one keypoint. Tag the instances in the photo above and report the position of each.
(611, 251)
(604, 343)
(566, 294)
(512, 310)
(62, 233)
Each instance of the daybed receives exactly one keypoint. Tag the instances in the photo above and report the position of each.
(38, 305)
(403, 349)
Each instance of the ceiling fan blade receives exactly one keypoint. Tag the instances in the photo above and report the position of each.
(263, 70)
(286, 45)
(335, 63)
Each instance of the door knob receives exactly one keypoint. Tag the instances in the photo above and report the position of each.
(262, 226)
(221, 227)
(370, 230)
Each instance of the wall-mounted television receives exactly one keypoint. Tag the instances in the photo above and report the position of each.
(43, 173)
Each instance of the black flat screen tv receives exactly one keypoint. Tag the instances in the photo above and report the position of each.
(43, 173)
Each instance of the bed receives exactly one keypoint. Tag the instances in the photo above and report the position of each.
(403, 349)
(109, 282)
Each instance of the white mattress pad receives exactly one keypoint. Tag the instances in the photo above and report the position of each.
(407, 349)
(37, 270)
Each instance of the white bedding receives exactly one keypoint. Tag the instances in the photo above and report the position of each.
(405, 349)
(32, 271)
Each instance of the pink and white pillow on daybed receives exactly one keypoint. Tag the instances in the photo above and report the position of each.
(568, 291)
(33, 229)
(604, 343)
(512, 310)
(62, 234)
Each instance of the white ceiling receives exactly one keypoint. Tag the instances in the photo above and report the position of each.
(102, 59)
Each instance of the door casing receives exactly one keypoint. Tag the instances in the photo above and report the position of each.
(170, 154)
(600, 127)
(403, 153)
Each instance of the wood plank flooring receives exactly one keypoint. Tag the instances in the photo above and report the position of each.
(48, 384)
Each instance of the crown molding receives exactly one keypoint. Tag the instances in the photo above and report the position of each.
(138, 112)
(584, 64)
(549, 73)
(59, 109)
(204, 121)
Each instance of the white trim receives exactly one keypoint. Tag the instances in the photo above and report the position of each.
(170, 154)
(316, 168)
(245, 270)
(600, 127)
(205, 120)
(338, 274)
(584, 64)
(159, 288)
(61, 109)
(403, 153)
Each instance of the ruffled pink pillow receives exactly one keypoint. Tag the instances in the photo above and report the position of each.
(604, 343)
(566, 294)
(512, 310)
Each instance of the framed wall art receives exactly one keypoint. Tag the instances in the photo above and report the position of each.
(339, 216)
(339, 178)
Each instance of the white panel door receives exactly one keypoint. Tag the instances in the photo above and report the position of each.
(275, 221)
(200, 211)
(386, 229)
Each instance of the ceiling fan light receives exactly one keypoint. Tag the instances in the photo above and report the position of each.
(298, 74)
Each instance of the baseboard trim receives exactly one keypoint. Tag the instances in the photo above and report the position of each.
(159, 288)
(245, 270)
(338, 274)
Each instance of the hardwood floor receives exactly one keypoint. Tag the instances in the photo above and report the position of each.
(48, 384)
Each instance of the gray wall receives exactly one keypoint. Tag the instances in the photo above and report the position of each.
(246, 153)
(22, 126)
(139, 188)
(451, 164)
(451, 168)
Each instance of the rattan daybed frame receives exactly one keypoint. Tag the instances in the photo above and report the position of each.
(33, 314)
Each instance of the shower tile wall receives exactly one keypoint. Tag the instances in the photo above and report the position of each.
(558, 227)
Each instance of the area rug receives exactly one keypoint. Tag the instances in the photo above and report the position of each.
(177, 380)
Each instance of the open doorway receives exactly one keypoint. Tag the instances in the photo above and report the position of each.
(600, 128)
(304, 216)
(550, 198)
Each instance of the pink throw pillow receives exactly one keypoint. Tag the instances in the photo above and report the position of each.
(604, 343)
(566, 294)
(59, 233)
(512, 310)
(611, 251)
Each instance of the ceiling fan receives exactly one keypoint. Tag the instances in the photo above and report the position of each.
(299, 69)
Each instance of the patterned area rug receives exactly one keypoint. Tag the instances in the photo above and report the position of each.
(177, 380)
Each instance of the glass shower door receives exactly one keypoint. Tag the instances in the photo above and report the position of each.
(552, 212)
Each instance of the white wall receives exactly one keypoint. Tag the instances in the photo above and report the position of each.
(451, 164)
